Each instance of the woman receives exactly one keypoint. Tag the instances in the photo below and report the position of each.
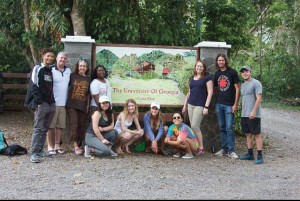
(198, 99)
(100, 86)
(100, 135)
(125, 119)
(154, 128)
(78, 103)
(181, 137)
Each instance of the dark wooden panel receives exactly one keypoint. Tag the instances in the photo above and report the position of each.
(14, 86)
(15, 75)
(13, 97)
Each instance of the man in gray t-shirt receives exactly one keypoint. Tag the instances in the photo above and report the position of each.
(251, 92)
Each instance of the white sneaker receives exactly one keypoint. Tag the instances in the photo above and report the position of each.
(188, 156)
(220, 153)
(87, 151)
(113, 154)
(233, 155)
(177, 155)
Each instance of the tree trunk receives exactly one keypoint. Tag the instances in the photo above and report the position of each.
(77, 16)
(35, 58)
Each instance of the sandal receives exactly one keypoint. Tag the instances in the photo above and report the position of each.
(51, 152)
(59, 151)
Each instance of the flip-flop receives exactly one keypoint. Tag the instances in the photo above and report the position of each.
(52, 152)
(59, 151)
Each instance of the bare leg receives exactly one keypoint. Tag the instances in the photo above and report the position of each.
(250, 141)
(122, 139)
(200, 139)
(133, 139)
(259, 142)
(50, 138)
(58, 138)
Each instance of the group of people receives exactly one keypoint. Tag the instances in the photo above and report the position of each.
(63, 96)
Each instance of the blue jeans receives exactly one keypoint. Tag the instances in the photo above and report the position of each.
(226, 123)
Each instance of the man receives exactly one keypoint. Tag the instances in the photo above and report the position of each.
(251, 91)
(228, 91)
(61, 79)
(42, 92)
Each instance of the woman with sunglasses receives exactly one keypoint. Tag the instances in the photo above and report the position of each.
(181, 137)
(78, 103)
(101, 135)
(125, 119)
(154, 128)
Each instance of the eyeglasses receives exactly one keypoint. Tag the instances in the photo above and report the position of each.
(178, 117)
(154, 108)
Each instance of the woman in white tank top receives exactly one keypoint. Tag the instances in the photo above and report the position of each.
(125, 119)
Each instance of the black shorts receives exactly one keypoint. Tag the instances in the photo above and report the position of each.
(250, 125)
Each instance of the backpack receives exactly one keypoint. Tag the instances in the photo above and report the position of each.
(10, 150)
(3, 142)
(29, 100)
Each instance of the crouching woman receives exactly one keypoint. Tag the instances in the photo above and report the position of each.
(101, 135)
(181, 137)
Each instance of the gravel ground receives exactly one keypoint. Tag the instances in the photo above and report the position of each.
(149, 176)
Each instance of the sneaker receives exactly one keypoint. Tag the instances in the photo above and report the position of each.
(187, 156)
(35, 158)
(221, 153)
(177, 155)
(113, 154)
(44, 154)
(87, 151)
(199, 152)
(247, 157)
(259, 160)
(233, 155)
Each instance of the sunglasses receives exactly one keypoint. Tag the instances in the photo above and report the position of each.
(178, 117)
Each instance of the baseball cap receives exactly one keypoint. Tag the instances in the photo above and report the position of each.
(103, 99)
(246, 68)
(155, 104)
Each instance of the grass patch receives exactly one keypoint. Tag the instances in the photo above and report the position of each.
(280, 105)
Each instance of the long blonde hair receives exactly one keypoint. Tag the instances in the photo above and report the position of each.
(156, 121)
(125, 110)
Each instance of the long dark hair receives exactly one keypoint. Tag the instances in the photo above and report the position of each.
(226, 60)
(109, 112)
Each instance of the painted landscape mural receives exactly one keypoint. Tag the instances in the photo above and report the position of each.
(147, 74)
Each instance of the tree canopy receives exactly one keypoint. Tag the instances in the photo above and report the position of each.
(264, 34)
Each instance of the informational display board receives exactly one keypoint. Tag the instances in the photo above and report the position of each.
(147, 73)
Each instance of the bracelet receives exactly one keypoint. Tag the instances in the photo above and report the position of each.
(205, 107)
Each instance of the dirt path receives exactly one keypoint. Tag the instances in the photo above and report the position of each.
(147, 176)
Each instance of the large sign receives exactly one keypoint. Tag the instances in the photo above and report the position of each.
(147, 73)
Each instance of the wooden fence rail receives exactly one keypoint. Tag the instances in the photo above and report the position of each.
(13, 88)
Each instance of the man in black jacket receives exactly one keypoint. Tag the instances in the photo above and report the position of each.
(42, 92)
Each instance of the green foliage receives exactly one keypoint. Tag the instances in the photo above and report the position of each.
(227, 21)
(106, 58)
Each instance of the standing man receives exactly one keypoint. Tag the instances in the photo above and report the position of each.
(251, 91)
(228, 91)
(61, 79)
(42, 92)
